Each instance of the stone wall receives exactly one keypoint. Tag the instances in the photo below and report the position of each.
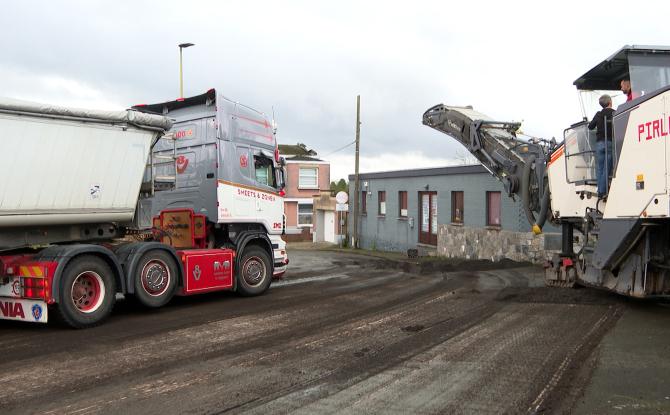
(466, 242)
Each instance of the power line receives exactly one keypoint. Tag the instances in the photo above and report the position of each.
(340, 149)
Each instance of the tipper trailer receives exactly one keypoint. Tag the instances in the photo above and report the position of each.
(95, 203)
(625, 236)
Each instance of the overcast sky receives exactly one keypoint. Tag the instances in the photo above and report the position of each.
(308, 60)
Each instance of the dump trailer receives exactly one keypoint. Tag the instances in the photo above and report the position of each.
(88, 211)
(619, 242)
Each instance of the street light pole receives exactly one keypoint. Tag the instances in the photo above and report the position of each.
(181, 72)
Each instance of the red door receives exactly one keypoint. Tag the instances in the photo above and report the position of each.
(428, 218)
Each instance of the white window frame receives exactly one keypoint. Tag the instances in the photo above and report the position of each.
(297, 219)
(381, 206)
(316, 185)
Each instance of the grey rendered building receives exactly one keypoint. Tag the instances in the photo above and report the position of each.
(404, 209)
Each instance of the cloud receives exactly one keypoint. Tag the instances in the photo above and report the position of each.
(342, 165)
(57, 90)
(307, 61)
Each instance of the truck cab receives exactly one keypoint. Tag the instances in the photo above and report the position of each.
(221, 160)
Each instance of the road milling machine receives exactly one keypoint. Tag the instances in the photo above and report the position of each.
(620, 242)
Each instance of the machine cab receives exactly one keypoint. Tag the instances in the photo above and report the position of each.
(647, 68)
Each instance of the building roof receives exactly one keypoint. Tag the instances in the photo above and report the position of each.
(435, 171)
(298, 149)
(302, 158)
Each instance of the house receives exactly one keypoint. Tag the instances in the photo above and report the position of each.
(308, 205)
(459, 211)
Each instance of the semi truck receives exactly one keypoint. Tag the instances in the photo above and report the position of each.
(622, 240)
(175, 198)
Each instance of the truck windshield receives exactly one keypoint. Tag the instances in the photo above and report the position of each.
(589, 101)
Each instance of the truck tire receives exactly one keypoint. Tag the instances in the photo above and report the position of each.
(155, 278)
(87, 292)
(255, 272)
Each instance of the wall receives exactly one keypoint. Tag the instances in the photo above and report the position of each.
(302, 233)
(305, 235)
(391, 233)
(293, 172)
(291, 212)
(480, 243)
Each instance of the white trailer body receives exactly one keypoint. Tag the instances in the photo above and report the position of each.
(68, 166)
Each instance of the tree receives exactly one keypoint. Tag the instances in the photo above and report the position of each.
(340, 186)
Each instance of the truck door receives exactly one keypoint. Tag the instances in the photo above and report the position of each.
(245, 196)
(269, 206)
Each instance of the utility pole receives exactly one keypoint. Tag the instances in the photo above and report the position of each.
(357, 183)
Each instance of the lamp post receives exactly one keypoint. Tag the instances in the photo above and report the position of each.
(181, 72)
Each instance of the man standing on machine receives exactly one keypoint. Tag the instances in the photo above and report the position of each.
(602, 122)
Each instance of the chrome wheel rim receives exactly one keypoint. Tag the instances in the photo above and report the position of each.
(155, 277)
(254, 271)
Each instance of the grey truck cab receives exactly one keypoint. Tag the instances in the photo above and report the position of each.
(220, 159)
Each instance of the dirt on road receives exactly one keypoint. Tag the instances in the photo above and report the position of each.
(342, 334)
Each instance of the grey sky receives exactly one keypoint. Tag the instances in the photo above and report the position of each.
(511, 60)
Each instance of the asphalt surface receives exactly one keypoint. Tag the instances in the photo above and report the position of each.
(342, 334)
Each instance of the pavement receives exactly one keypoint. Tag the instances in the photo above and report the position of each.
(632, 372)
(352, 333)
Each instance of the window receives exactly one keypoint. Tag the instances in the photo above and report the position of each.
(402, 204)
(457, 207)
(381, 204)
(364, 204)
(493, 208)
(305, 214)
(308, 178)
(264, 171)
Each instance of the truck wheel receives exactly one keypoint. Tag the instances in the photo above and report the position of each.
(87, 292)
(255, 273)
(155, 279)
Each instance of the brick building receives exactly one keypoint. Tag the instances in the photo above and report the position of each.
(308, 184)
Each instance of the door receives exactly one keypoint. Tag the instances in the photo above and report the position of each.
(329, 226)
(318, 235)
(428, 218)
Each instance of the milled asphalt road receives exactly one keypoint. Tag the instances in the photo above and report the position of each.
(352, 334)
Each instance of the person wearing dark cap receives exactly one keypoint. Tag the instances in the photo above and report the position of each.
(602, 122)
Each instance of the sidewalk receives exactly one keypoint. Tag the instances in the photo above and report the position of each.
(632, 374)
(420, 264)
